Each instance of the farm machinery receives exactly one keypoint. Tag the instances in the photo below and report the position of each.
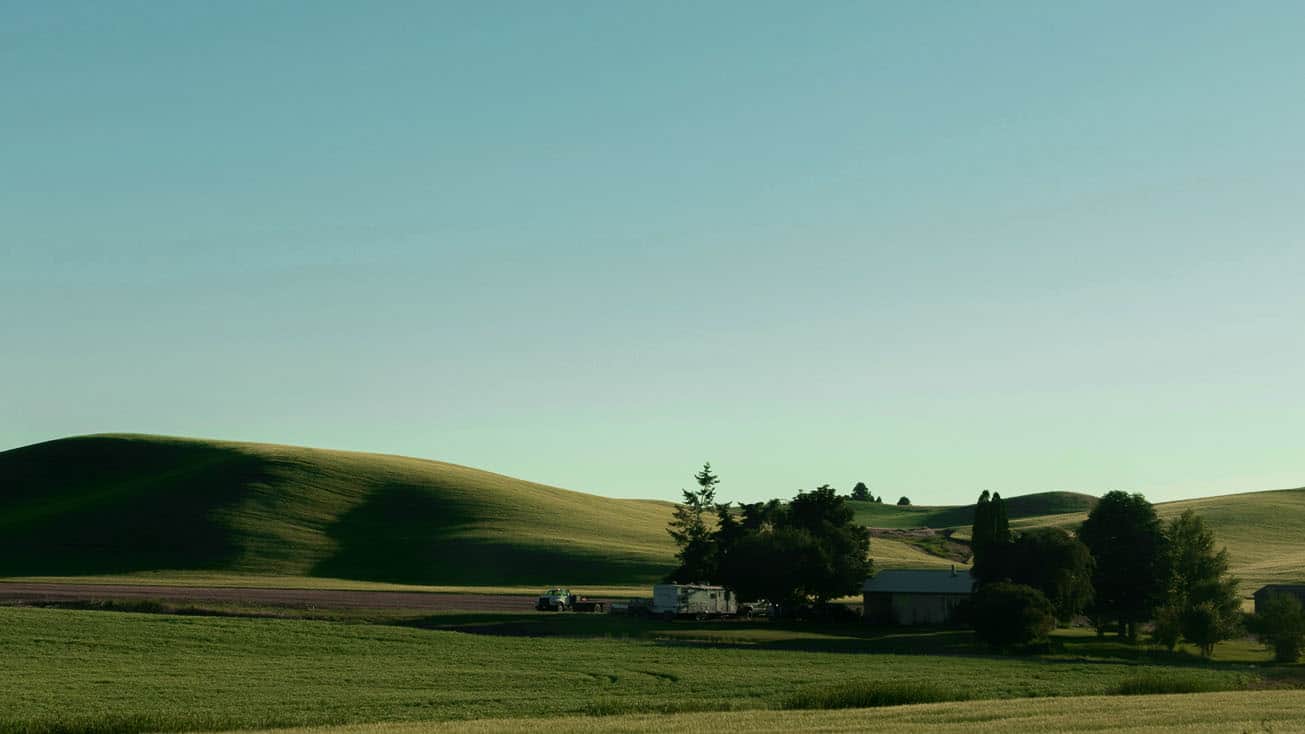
(560, 600)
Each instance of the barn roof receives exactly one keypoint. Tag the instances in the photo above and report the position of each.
(1272, 588)
(913, 581)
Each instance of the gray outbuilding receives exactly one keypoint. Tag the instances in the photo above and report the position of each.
(911, 596)
(1261, 596)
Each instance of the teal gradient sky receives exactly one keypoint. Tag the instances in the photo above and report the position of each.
(938, 246)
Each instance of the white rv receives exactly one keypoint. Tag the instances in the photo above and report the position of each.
(693, 600)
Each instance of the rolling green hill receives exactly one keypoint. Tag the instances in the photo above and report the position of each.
(124, 504)
(912, 516)
(140, 505)
(132, 505)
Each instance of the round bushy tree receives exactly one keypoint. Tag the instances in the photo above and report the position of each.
(1128, 545)
(1005, 615)
(1280, 622)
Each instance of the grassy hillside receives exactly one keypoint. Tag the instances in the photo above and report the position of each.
(141, 505)
(198, 509)
(910, 516)
(1263, 531)
(125, 504)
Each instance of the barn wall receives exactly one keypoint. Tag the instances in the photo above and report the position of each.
(1263, 595)
(910, 609)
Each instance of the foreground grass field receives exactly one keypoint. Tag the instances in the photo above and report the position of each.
(1201, 713)
(141, 672)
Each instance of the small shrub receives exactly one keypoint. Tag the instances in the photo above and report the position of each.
(870, 694)
(1008, 615)
(1171, 681)
(1168, 627)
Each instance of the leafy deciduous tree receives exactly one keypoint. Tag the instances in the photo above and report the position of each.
(1124, 535)
(1280, 622)
(1047, 559)
(807, 550)
(1200, 588)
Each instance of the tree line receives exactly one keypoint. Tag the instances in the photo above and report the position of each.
(805, 551)
(1121, 568)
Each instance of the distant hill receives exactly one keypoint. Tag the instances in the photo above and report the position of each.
(910, 516)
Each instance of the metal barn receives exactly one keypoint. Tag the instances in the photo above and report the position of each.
(910, 596)
(1261, 596)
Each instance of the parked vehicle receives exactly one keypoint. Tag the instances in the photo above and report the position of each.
(553, 600)
(560, 600)
(693, 600)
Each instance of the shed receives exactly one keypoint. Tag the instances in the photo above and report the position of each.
(1261, 596)
(912, 596)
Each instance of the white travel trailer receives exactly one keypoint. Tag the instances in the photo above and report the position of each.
(693, 600)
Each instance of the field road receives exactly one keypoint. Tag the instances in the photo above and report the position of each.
(302, 598)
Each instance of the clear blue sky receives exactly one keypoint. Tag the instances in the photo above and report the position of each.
(939, 247)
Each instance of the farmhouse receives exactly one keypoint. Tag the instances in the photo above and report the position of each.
(1261, 596)
(915, 596)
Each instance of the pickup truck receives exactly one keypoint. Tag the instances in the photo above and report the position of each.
(560, 600)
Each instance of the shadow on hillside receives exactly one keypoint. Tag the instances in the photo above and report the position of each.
(409, 534)
(100, 505)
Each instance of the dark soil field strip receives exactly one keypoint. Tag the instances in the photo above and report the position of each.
(317, 598)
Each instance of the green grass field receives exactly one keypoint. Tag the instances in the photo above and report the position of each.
(1258, 712)
(142, 672)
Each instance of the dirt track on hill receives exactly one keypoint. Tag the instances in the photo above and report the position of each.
(300, 598)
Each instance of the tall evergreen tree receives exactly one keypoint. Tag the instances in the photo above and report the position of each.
(981, 530)
(688, 529)
(1000, 523)
(861, 493)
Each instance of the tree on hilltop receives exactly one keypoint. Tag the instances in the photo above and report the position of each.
(903, 501)
(861, 493)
